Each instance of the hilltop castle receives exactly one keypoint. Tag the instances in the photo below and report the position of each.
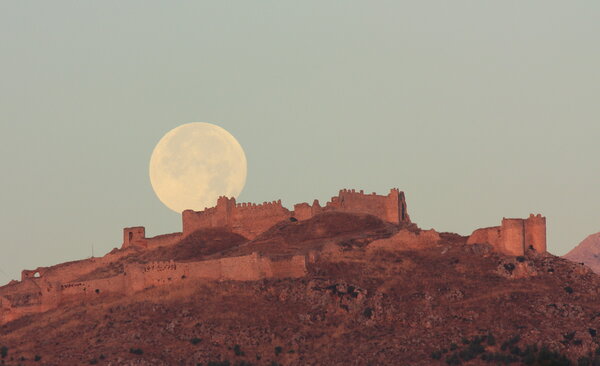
(250, 219)
(46, 288)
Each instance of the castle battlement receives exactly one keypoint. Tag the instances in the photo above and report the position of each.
(45, 288)
(250, 219)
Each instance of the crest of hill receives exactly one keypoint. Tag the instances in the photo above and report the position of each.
(588, 252)
(429, 306)
(286, 238)
(291, 237)
(326, 225)
(198, 245)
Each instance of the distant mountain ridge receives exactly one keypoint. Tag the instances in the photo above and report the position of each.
(587, 252)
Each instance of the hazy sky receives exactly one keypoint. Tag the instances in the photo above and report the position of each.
(477, 110)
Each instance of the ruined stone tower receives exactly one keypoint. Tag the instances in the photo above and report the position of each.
(514, 236)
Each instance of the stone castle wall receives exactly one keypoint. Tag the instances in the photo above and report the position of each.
(246, 219)
(46, 288)
(136, 237)
(250, 220)
(514, 236)
(35, 295)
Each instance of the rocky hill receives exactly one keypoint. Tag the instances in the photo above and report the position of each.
(588, 252)
(374, 294)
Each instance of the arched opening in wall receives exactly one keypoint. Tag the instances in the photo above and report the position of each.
(36, 275)
(130, 236)
(97, 291)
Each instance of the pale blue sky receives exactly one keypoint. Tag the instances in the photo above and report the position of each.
(477, 110)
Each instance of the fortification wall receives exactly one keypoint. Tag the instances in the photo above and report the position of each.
(246, 219)
(535, 233)
(49, 281)
(489, 235)
(390, 208)
(406, 240)
(134, 236)
(514, 236)
(39, 294)
(250, 220)
(210, 270)
(304, 211)
(352, 201)
(70, 271)
(96, 287)
(294, 267)
(244, 268)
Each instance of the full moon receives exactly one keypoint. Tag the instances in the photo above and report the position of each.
(194, 164)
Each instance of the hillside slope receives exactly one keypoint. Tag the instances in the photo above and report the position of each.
(442, 302)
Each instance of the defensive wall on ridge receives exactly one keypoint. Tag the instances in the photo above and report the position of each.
(514, 236)
(40, 294)
(250, 220)
(136, 236)
(45, 288)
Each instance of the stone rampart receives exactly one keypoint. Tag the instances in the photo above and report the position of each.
(136, 237)
(406, 240)
(70, 271)
(250, 220)
(390, 208)
(246, 219)
(514, 236)
(36, 295)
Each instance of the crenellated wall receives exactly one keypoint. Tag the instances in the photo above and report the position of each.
(514, 236)
(535, 233)
(36, 295)
(246, 219)
(390, 208)
(250, 220)
(47, 287)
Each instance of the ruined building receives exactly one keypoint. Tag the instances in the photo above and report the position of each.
(46, 288)
(514, 236)
(250, 220)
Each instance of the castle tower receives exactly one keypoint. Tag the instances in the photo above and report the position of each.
(512, 237)
(224, 211)
(535, 233)
(134, 236)
(396, 207)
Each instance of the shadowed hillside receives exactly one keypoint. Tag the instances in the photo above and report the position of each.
(435, 301)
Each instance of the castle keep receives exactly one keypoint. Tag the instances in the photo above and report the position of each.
(46, 288)
(514, 236)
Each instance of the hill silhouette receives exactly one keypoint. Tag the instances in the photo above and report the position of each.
(421, 299)
(588, 252)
